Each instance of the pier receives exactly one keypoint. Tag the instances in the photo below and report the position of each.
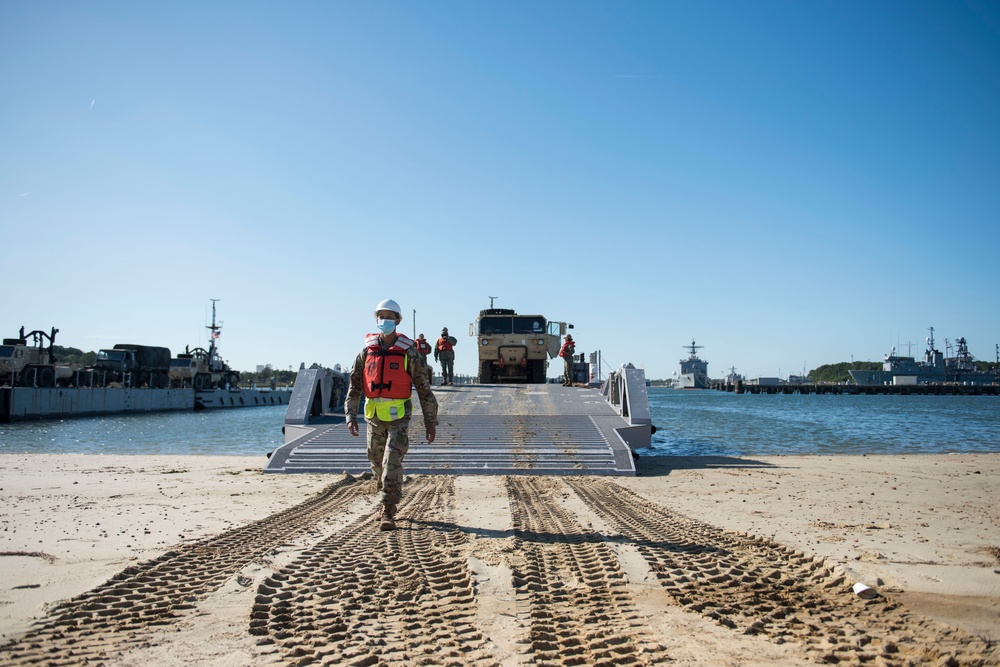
(866, 390)
(497, 429)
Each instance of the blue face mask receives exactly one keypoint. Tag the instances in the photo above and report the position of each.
(386, 326)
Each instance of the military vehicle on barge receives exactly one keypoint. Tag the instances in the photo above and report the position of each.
(34, 365)
(515, 348)
(204, 369)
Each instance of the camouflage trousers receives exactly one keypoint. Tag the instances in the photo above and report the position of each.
(568, 371)
(447, 359)
(388, 443)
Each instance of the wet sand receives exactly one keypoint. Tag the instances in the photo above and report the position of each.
(180, 560)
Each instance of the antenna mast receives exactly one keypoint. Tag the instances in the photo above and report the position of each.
(215, 329)
(491, 301)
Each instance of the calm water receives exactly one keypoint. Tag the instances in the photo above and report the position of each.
(689, 423)
(244, 431)
(700, 423)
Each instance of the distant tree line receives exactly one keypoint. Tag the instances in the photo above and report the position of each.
(72, 355)
(838, 373)
(827, 373)
(281, 378)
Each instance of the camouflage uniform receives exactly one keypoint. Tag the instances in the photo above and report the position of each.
(446, 358)
(567, 352)
(388, 441)
(423, 355)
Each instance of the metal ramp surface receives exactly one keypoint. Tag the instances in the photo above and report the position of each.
(471, 444)
(482, 429)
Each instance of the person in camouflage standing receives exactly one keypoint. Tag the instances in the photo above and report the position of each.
(444, 352)
(385, 372)
(423, 349)
(567, 351)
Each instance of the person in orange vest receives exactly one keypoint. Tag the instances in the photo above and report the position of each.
(567, 351)
(423, 349)
(444, 352)
(387, 370)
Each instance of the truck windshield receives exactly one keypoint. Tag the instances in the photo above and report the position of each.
(517, 324)
(181, 363)
(110, 355)
(6, 351)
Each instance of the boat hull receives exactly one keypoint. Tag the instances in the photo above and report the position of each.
(33, 403)
(691, 381)
(874, 378)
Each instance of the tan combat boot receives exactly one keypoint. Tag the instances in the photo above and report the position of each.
(386, 516)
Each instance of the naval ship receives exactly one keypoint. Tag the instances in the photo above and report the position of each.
(934, 369)
(694, 371)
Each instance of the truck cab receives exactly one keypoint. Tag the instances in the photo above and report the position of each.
(119, 361)
(514, 347)
(203, 370)
(32, 365)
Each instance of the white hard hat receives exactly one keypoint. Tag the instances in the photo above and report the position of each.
(388, 304)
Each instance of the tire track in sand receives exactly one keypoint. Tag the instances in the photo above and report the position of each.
(576, 604)
(366, 597)
(755, 586)
(121, 613)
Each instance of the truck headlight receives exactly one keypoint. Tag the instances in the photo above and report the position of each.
(486, 342)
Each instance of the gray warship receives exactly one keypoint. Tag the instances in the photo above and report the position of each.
(694, 371)
(934, 369)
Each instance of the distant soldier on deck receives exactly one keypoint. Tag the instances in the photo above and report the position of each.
(385, 372)
(444, 352)
(567, 351)
(423, 349)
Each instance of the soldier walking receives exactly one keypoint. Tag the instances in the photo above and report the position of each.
(444, 352)
(385, 372)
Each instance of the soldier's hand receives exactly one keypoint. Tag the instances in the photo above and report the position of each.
(431, 432)
(352, 428)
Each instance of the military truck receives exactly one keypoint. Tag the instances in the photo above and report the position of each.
(35, 365)
(202, 369)
(515, 348)
(131, 366)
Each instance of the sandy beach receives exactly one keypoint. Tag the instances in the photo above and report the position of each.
(174, 560)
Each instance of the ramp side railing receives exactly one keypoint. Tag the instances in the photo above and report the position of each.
(625, 390)
(317, 392)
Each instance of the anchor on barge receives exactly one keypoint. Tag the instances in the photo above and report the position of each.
(512, 429)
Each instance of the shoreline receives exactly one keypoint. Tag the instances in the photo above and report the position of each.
(921, 528)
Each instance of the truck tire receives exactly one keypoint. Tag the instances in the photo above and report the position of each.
(537, 374)
(486, 372)
(46, 377)
(199, 382)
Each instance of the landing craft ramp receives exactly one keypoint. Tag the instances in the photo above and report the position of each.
(539, 429)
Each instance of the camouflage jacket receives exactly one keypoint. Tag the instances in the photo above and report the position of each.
(418, 373)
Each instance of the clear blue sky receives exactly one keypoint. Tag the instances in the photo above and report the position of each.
(788, 183)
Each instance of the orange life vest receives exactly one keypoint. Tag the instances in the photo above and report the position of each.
(387, 373)
(423, 347)
(444, 345)
(568, 349)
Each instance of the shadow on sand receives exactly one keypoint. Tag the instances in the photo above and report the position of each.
(655, 466)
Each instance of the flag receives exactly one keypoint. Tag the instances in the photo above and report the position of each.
(215, 334)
